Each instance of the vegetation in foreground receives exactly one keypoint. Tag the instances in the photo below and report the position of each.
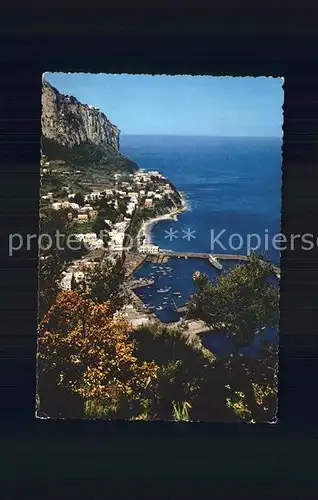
(92, 365)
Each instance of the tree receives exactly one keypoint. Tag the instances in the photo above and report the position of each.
(104, 282)
(99, 225)
(84, 351)
(190, 381)
(240, 302)
(52, 220)
(57, 225)
(50, 274)
(253, 385)
(107, 211)
(79, 199)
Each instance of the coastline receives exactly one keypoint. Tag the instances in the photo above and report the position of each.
(146, 227)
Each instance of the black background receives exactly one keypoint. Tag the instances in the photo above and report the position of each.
(245, 40)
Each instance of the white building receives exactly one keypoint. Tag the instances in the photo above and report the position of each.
(130, 208)
(86, 237)
(79, 275)
(148, 248)
(134, 195)
(120, 227)
(86, 209)
(64, 204)
(95, 195)
(90, 240)
(66, 282)
(116, 242)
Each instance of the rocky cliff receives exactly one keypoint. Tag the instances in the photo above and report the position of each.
(71, 123)
(79, 133)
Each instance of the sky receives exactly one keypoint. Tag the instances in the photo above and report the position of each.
(180, 105)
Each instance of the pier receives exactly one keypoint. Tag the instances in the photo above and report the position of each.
(141, 282)
(159, 258)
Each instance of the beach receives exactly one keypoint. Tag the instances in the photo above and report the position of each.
(145, 229)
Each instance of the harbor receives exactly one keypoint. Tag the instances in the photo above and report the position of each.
(162, 284)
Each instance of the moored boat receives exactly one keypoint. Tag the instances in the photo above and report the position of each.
(214, 261)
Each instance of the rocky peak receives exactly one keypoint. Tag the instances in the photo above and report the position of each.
(70, 123)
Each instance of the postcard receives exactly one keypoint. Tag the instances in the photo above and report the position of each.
(159, 247)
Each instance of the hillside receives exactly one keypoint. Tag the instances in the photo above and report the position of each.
(80, 135)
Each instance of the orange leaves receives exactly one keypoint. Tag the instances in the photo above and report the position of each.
(92, 353)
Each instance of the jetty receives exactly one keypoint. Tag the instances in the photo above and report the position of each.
(212, 258)
(141, 282)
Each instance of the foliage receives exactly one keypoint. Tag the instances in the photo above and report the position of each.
(240, 302)
(50, 273)
(185, 374)
(84, 350)
(57, 225)
(225, 390)
(104, 282)
(90, 156)
(99, 225)
(181, 411)
(79, 199)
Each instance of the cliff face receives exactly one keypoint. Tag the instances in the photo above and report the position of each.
(70, 123)
(80, 135)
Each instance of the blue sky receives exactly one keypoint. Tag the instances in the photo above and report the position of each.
(180, 105)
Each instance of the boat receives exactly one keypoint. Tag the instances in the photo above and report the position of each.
(215, 262)
(163, 290)
(176, 293)
(159, 308)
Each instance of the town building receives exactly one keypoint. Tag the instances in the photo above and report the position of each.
(90, 240)
(47, 196)
(64, 204)
(82, 218)
(148, 202)
(66, 282)
(148, 248)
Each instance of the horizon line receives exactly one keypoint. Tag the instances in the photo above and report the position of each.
(203, 135)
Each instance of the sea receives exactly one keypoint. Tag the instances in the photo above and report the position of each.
(232, 187)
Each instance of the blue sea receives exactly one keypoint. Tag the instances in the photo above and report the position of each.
(233, 190)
